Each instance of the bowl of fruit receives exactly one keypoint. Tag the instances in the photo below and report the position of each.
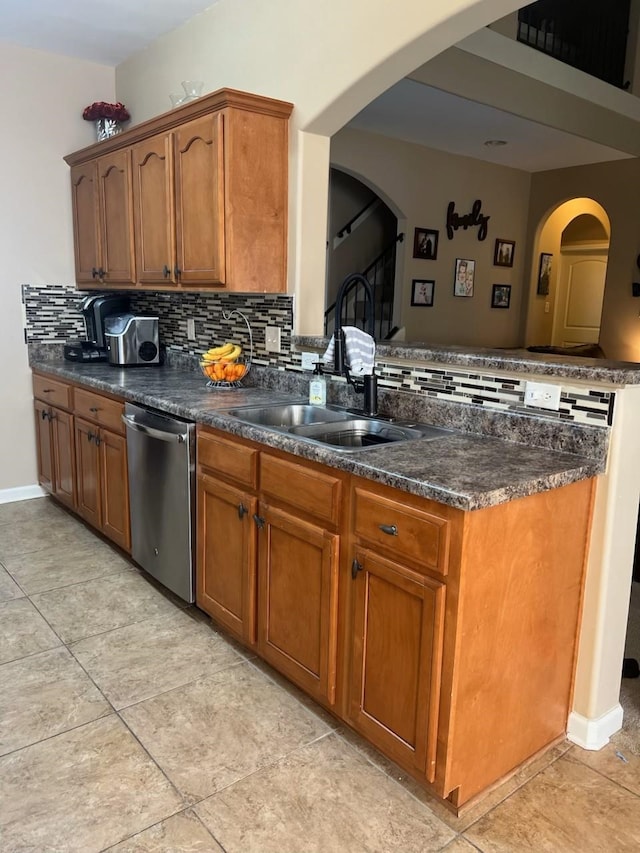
(224, 366)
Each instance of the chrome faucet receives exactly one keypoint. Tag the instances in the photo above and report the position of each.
(368, 385)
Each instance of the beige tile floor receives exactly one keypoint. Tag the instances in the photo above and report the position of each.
(129, 724)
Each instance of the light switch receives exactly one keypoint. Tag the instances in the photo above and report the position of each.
(272, 339)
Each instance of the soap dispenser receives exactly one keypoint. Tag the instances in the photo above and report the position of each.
(318, 387)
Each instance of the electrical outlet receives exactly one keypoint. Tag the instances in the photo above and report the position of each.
(547, 305)
(272, 339)
(191, 329)
(310, 359)
(542, 395)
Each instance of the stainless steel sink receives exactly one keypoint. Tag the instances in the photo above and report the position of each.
(357, 434)
(333, 426)
(288, 415)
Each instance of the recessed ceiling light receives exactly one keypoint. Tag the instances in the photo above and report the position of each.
(495, 143)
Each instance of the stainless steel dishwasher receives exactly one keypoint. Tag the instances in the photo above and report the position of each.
(161, 459)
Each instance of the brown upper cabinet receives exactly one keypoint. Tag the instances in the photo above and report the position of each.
(202, 204)
(102, 221)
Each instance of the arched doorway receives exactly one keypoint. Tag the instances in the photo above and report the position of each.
(568, 276)
(362, 237)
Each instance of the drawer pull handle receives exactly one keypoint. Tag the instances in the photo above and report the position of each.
(355, 568)
(90, 436)
(242, 511)
(259, 521)
(47, 390)
(97, 440)
(46, 416)
(389, 529)
(94, 409)
(166, 272)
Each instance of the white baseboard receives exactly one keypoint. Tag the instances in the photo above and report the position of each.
(21, 493)
(594, 733)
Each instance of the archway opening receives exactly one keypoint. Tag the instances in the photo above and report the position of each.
(568, 279)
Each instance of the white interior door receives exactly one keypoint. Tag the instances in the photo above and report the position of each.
(578, 306)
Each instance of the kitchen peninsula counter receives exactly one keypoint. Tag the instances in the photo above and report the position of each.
(462, 469)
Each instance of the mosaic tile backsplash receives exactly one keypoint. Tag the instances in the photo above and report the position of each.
(52, 316)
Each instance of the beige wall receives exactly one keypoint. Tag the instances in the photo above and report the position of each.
(42, 103)
(608, 184)
(421, 182)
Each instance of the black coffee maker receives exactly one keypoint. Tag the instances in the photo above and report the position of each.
(95, 309)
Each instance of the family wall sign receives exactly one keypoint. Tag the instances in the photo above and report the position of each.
(475, 219)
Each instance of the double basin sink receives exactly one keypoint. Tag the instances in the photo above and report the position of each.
(330, 425)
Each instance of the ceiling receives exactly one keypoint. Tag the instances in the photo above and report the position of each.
(415, 112)
(109, 31)
(102, 31)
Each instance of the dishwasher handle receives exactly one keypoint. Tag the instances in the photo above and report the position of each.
(131, 423)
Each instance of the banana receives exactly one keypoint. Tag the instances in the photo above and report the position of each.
(235, 353)
(218, 352)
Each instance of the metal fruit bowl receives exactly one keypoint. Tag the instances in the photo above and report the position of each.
(225, 374)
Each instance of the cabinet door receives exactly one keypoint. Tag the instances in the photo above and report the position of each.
(297, 609)
(396, 660)
(199, 181)
(154, 210)
(64, 457)
(226, 579)
(88, 472)
(114, 483)
(86, 230)
(114, 178)
(44, 445)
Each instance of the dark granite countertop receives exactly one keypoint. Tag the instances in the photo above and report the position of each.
(460, 469)
(513, 360)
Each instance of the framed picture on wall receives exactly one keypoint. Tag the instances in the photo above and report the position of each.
(544, 273)
(422, 292)
(501, 296)
(503, 253)
(425, 244)
(463, 279)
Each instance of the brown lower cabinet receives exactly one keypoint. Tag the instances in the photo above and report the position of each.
(82, 454)
(103, 495)
(446, 638)
(226, 543)
(396, 658)
(56, 463)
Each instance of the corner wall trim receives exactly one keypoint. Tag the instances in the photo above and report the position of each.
(594, 733)
(21, 493)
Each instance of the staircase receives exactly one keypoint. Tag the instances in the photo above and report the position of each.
(380, 273)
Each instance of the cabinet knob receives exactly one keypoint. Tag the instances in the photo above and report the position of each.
(166, 272)
(259, 521)
(389, 529)
(90, 436)
(94, 272)
(242, 510)
(97, 440)
(177, 272)
(355, 568)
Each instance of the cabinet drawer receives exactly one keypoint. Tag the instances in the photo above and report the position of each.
(94, 407)
(402, 531)
(228, 457)
(301, 486)
(52, 391)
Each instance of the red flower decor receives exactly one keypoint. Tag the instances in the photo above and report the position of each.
(100, 109)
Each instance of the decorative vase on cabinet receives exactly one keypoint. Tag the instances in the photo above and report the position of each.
(107, 127)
